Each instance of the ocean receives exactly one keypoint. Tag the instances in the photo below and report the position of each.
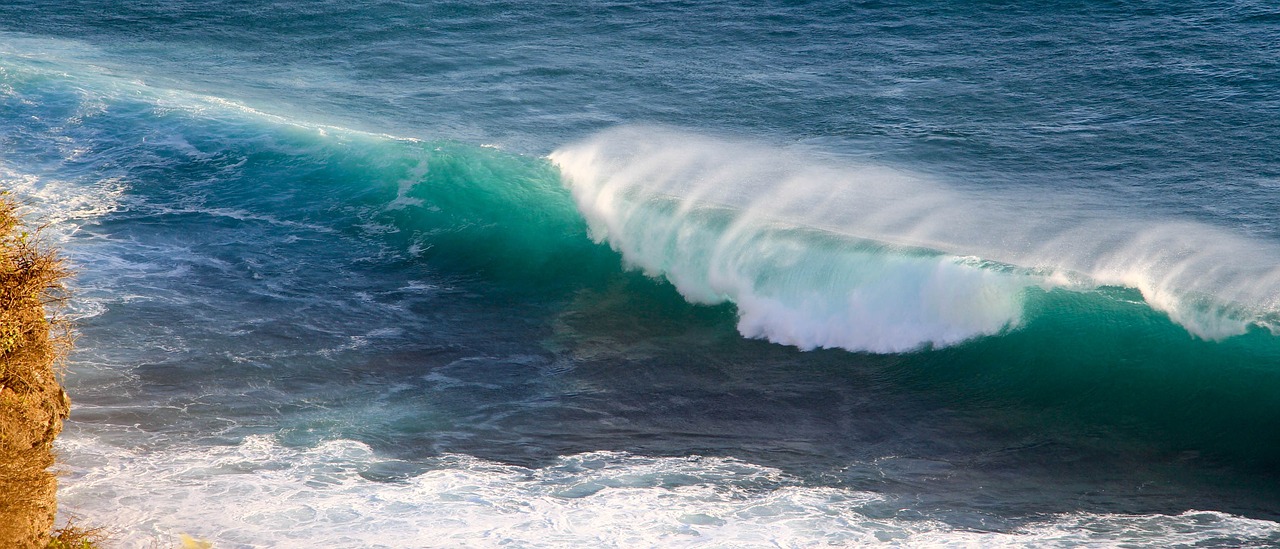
(482, 273)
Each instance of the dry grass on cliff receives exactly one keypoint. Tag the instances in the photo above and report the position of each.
(74, 536)
(32, 402)
(31, 279)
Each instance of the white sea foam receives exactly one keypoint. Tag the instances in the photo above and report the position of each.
(720, 220)
(262, 494)
(63, 208)
(62, 205)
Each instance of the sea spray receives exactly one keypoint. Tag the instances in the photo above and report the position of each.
(647, 190)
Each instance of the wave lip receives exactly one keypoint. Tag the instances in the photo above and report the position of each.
(726, 225)
(871, 259)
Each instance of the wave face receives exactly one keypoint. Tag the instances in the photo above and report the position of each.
(865, 258)
(1043, 300)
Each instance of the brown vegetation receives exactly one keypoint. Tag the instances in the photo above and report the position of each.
(32, 402)
(74, 536)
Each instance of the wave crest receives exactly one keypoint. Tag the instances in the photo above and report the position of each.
(866, 258)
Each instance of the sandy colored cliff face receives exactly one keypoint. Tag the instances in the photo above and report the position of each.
(32, 402)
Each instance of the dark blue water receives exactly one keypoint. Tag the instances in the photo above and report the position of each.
(382, 274)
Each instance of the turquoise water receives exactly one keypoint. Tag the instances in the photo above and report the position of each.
(381, 274)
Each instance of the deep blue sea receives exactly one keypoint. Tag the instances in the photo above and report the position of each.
(404, 274)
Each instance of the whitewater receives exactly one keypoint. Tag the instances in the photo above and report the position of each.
(649, 192)
(478, 274)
